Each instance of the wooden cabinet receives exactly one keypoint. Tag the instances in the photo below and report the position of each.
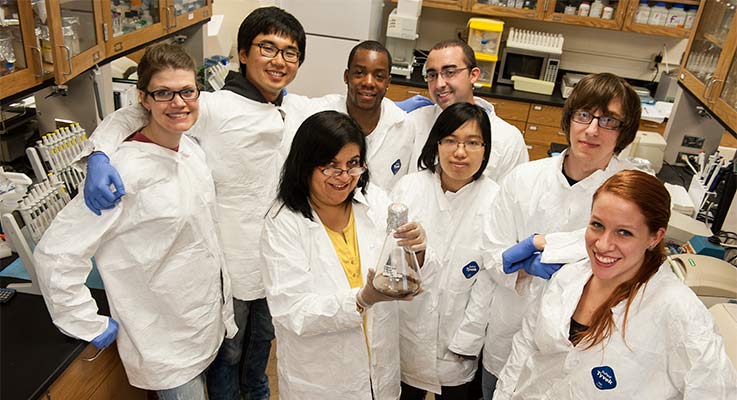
(514, 112)
(20, 53)
(61, 39)
(543, 128)
(708, 70)
(555, 11)
(402, 92)
(101, 378)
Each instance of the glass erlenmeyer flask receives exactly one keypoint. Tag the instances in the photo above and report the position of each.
(397, 271)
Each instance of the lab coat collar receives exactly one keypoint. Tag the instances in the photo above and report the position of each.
(486, 106)
(238, 84)
(594, 180)
(358, 199)
(185, 149)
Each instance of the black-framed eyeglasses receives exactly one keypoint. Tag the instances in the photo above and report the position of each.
(268, 50)
(451, 143)
(446, 73)
(336, 172)
(164, 95)
(585, 117)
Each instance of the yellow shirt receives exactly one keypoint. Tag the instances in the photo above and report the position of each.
(346, 247)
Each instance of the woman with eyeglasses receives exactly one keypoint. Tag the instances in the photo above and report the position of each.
(442, 331)
(158, 251)
(338, 337)
(619, 324)
(545, 205)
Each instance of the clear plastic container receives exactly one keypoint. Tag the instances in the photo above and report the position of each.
(643, 13)
(484, 35)
(597, 7)
(658, 15)
(676, 16)
(7, 54)
(690, 17)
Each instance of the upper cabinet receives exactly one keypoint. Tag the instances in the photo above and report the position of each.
(668, 17)
(60, 39)
(20, 52)
(709, 70)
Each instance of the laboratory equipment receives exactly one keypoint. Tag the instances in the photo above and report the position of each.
(531, 54)
(6, 294)
(690, 130)
(398, 271)
(713, 280)
(649, 146)
(484, 37)
(725, 316)
(330, 39)
(55, 152)
(401, 35)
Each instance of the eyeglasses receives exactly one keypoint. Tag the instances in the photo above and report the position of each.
(188, 94)
(336, 172)
(585, 117)
(450, 143)
(446, 73)
(268, 50)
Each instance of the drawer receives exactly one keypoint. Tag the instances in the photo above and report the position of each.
(510, 110)
(652, 126)
(82, 378)
(545, 115)
(537, 150)
(544, 134)
(402, 92)
(521, 125)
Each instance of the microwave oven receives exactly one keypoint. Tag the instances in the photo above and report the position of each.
(528, 63)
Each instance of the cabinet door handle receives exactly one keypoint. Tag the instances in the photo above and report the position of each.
(40, 63)
(711, 98)
(707, 87)
(561, 133)
(537, 108)
(532, 127)
(414, 92)
(69, 59)
(93, 358)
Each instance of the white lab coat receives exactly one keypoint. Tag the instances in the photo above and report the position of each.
(246, 143)
(533, 198)
(159, 256)
(388, 147)
(508, 147)
(449, 315)
(671, 349)
(322, 349)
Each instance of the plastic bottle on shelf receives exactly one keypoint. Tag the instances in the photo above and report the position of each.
(676, 16)
(584, 8)
(690, 17)
(643, 13)
(658, 14)
(570, 10)
(596, 8)
(608, 13)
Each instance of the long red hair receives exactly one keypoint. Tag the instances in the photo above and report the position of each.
(653, 201)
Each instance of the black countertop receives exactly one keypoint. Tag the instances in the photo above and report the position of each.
(33, 352)
(497, 90)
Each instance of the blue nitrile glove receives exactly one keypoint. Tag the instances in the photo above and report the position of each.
(414, 103)
(519, 252)
(534, 266)
(105, 338)
(100, 175)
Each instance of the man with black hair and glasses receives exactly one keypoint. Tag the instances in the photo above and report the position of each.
(451, 72)
(242, 130)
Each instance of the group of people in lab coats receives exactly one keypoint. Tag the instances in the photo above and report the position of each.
(270, 223)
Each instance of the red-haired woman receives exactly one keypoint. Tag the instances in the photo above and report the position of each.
(619, 324)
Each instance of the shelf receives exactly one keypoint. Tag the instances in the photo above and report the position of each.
(658, 30)
(584, 21)
(713, 39)
(685, 2)
(499, 11)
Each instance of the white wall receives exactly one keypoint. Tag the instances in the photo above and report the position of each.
(585, 49)
(234, 11)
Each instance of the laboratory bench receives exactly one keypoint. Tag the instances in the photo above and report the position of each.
(38, 361)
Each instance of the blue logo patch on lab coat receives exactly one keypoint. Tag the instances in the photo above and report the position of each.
(604, 378)
(470, 269)
(395, 167)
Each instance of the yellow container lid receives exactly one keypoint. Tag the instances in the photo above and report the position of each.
(486, 57)
(486, 24)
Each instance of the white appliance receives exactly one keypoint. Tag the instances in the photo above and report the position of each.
(333, 28)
